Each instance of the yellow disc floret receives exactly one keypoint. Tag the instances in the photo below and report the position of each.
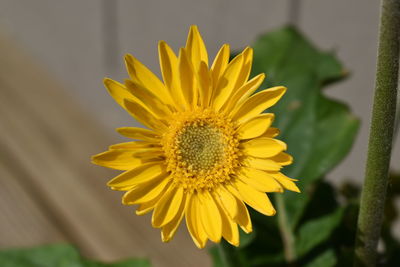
(201, 149)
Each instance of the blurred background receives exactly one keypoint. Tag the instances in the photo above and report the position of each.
(55, 112)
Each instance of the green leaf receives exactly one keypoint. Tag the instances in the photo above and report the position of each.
(323, 193)
(316, 231)
(60, 255)
(326, 259)
(319, 131)
(45, 256)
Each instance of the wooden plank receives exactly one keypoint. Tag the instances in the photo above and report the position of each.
(23, 221)
(52, 139)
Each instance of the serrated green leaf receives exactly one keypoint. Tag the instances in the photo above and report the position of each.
(316, 231)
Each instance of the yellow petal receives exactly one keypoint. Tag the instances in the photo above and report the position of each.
(117, 159)
(263, 147)
(144, 116)
(243, 216)
(193, 221)
(135, 145)
(283, 159)
(227, 200)
(256, 126)
(151, 101)
(243, 93)
(147, 192)
(229, 228)
(246, 67)
(285, 181)
(139, 133)
(146, 154)
(258, 103)
(168, 64)
(195, 48)
(227, 82)
(119, 92)
(259, 180)
(170, 73)
(234, 77)
(243, 219)
(219, 65)
(168, 231)
(143, 173)
(256, 199)
(167, 207)
(210, 216)
(143, 76)
(205, 85)
(187, 79)
(262, 164)
(271, 132)
(146, 207)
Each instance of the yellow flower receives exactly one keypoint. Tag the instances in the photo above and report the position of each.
(208, 149)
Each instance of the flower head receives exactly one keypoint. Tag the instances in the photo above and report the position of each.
(208, 150)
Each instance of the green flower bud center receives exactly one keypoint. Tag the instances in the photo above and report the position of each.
(201, 147)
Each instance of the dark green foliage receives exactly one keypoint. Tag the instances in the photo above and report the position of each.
(325, 259)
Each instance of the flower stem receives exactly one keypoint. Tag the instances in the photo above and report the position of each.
(228, 256)
(223, 256)
(381, 135)
(285, 229)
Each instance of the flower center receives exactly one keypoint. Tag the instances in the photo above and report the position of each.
(201, 149)
(201, 146)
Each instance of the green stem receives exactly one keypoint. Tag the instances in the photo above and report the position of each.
(224, 257)
(285, 229)
(381, 135)
(228, 256)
